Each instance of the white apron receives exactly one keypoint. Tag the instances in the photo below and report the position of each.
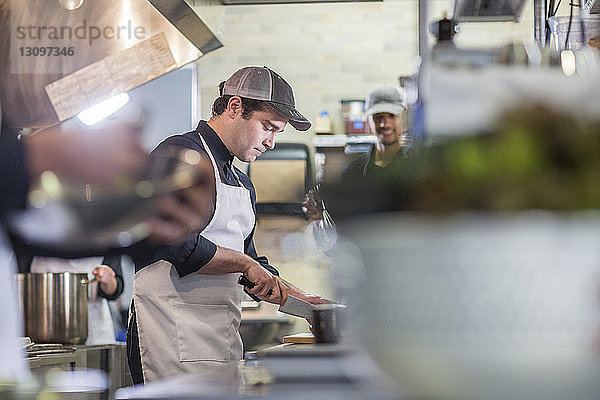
(190, 324)
(100, 324)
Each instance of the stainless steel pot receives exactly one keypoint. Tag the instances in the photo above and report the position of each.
(54, 306)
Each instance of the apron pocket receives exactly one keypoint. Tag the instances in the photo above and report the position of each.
(202, 332)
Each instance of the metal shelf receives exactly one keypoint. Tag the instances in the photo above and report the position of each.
(342, 140)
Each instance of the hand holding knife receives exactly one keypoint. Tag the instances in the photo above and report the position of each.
(281, 294)
(295, 305)
(249, 284)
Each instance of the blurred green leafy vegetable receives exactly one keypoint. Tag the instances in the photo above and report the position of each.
(534, 158)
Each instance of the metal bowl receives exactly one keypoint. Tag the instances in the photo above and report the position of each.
(90, 216)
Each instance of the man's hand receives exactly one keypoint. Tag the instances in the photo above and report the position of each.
(267, 286)
(311, 207)
(226, 261)
(105, 275)
(310, 298)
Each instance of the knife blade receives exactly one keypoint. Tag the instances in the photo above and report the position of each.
(298, 307)
(293, 306)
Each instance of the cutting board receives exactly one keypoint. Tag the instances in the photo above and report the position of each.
(299, 338)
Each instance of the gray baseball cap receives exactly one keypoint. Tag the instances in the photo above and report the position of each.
(262, 83)
(385, 99)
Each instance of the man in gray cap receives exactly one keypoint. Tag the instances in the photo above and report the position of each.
(186, 305)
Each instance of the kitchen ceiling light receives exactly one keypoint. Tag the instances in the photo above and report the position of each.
(234, 2)
(71, 4)
(98, 112)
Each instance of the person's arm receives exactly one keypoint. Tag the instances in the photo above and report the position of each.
(189, 255)
(266, 285)
(14, 179)
(101, 156)
(199, 255)
(110, 284)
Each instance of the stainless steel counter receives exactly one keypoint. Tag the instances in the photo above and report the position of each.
(284, 372)
(110, 358)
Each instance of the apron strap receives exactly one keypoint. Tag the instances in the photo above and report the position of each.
(212, 159)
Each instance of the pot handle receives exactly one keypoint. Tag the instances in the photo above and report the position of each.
(92, 291)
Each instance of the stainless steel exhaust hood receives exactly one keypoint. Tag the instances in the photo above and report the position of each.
(56, 62)
(487, 10)
(232, 2)
(183, 17)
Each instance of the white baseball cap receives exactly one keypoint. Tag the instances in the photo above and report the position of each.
(385, 99)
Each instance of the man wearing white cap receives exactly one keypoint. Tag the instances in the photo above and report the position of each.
(186, 305)
(386, 111)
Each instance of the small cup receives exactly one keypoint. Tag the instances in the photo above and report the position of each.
(326, 323)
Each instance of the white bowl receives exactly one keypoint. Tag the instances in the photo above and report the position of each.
(478, 306)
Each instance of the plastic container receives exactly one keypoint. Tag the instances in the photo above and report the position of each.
(355, 118)
(323, 124)
(582, 30)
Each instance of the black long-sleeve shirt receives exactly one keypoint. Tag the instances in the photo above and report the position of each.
(192, 253)
(362, 188)
(14, 180)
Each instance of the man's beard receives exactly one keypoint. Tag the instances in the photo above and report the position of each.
(396, 141)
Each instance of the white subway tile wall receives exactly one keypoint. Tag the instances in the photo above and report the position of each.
(334, 51)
